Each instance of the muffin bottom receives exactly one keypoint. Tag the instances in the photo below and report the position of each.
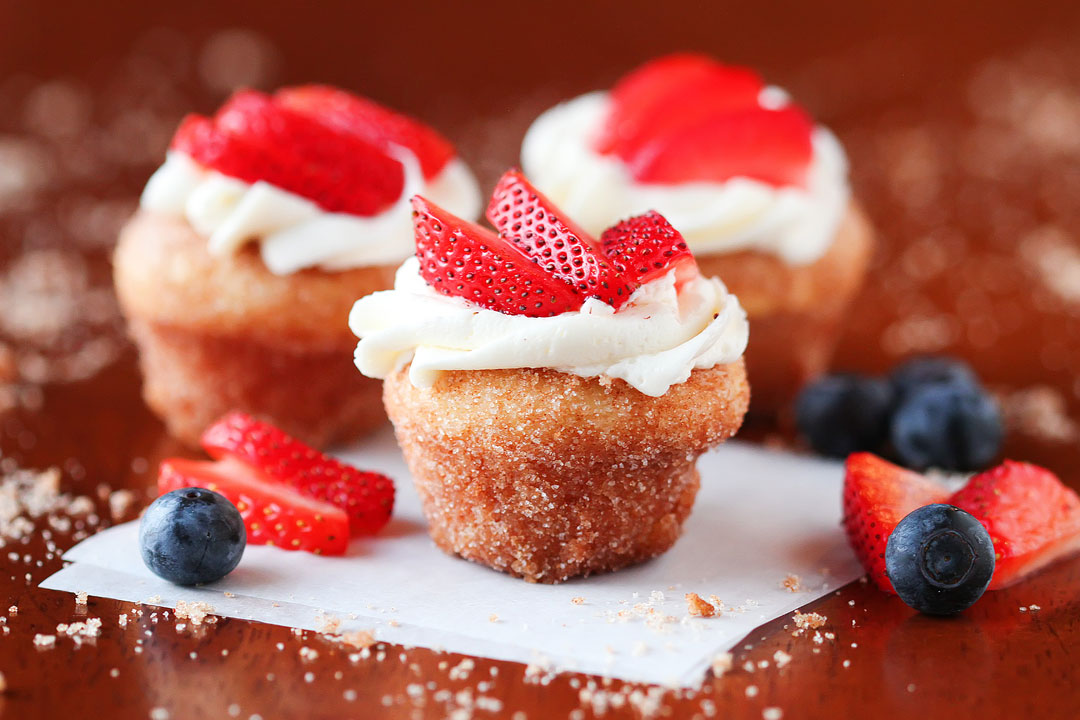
(192, 378)
(548, 476)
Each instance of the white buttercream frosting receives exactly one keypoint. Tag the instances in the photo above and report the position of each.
(797, 224)
(653, 342)
(293, 232)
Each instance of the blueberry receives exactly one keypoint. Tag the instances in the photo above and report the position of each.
(952, 427)
(931, 370)
(191, 536)
(844, 413)
(940, 559)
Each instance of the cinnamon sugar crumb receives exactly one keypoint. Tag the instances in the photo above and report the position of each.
(807, 621)
(196, 612)
(327, 624)
(81, 597)
(359, 639)
(578, 600)
(793, 583)
(493, 618)
(699, 607)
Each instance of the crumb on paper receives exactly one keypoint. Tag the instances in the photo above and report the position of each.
(81, 597)
(359, 639)
(578, 600)
(195, 612)
(793, 583)
(327, 624)
(493, 618)
(698, 606)
(229, 594)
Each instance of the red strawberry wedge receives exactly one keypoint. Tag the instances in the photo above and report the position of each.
(273, 513)
(1033, 519)
(670, 93)
(772, 146)
(526, 218)
(646, 247)
(252, 138)
(367, 498)
(461, 259)
(370, 121)
(877, 496)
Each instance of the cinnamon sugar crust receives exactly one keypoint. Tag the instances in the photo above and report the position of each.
(795, 311)
(164, 273)
(546, 475)
(223, 333)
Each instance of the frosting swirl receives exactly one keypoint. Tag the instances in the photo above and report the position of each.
(797, 224)
(293, 232)
(653, 342)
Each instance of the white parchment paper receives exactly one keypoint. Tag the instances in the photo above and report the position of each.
(760, 516)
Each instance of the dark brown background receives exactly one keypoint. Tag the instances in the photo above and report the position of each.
(962, 121)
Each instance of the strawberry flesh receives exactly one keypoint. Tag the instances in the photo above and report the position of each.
(461, 259)
(252, 138)
(523, 216)
(371, 122)
(669, 93)
(273, 513)
(877, 496)
(646, 247)
(772, 146)
(1033, 519)
(366, 497)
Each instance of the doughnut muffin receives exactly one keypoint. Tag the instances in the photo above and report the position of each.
(252, 241)
(552, 391)
(759, 192)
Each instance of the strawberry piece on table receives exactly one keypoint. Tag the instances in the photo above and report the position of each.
(1033, 519)
(250, 138)
(670, 93)
(646, 247)
(523, 216)
(367, 498)
(273, 513)
(371, 122)
(877, 496)
(461, 259)
(772, 146)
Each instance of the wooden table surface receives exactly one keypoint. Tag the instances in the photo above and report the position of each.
(963, 127)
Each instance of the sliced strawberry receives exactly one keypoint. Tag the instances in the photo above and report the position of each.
(370, 121)
(526, 218)
(877, 495)
(461, 259)
(671, 92)
(646, 247)
(252, 139)
(1033, 519)
(274, 513)
(769, 145)
(366, 497)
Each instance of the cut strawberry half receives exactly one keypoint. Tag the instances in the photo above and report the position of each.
(1033, 519)
(523, 216)
(772, 146)
(252, 139)
(366, 497)
(461, 259)
(669, 93)
(647, 246)
(877, 496)
(371, 122)
(273, 513)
